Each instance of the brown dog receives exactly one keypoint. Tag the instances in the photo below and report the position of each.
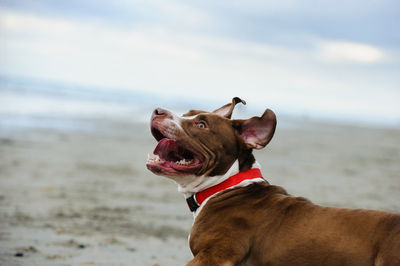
(240, 219)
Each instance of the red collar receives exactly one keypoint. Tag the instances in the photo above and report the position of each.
(198, 198)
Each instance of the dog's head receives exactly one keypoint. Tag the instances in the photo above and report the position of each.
(204, 143)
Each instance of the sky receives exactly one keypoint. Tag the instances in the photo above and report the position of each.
(316, 58)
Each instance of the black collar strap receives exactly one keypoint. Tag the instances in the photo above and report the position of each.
(192, 203)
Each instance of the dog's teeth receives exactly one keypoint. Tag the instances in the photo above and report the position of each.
(183, 162)
(157, 160)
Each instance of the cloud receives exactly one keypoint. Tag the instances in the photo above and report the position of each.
(350, 52)
(164, 60)
(24, 22)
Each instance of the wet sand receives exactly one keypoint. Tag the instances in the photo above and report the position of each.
(85, 197)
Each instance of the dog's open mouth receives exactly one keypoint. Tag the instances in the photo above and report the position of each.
(172, 157)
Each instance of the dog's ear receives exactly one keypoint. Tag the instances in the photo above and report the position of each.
(227, 109)
(256, 132)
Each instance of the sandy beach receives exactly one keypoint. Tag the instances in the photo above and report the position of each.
(83, 196)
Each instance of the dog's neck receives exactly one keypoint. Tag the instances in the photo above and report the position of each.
(190, 185)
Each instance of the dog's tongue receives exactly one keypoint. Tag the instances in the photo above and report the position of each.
(166, 147)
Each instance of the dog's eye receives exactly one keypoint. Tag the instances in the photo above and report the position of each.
(201, 125)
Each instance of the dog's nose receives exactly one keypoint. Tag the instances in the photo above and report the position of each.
(161, 113)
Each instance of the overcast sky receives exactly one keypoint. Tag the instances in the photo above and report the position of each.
(339, 58)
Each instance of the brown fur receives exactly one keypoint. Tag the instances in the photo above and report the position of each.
(262, 225)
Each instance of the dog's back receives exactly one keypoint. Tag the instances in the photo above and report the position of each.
(293, 231)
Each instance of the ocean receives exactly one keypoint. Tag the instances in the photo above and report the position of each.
(33, 103)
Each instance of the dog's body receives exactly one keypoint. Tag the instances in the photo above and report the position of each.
(261, 225)
(249, 221)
